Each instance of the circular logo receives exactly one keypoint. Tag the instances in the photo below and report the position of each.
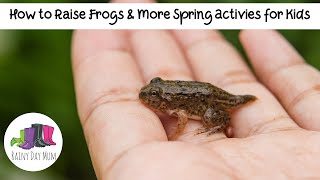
(33, 142)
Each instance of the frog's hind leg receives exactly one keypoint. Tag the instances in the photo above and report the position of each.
(214, 120)
(182, 122)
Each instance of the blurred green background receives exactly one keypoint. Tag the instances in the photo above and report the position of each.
(36, 76)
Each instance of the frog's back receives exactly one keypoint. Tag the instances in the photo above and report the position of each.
(195, 88)
(194, 94)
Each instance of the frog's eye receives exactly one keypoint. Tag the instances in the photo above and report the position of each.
(154, 93)
(155, 80)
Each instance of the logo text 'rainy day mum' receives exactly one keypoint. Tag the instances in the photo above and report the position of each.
(45, 155)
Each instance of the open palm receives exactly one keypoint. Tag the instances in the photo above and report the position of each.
(271, 137)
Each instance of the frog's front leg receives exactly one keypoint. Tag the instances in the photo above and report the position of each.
(215, 119)
(182, 122)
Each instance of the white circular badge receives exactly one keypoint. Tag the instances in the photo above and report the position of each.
(33, 142)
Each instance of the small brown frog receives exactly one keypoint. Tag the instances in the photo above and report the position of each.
(194, 100)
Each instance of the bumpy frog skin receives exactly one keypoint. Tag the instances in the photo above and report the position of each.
(192, 100)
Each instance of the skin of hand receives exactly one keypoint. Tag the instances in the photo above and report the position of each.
(276, 137)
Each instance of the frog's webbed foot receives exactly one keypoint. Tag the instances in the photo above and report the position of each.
(182, 122)
(214, 120)
(210, 130)
(216, 129)
(202, 130)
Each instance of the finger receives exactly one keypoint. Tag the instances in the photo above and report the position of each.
(214, 60)
(282, 69)
(107, 82)
(159, 55)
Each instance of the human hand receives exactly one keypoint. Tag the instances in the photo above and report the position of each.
(272, 137)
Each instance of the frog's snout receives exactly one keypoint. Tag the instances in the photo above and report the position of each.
(142, 94)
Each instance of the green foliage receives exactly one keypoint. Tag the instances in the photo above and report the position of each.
(36, 76)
